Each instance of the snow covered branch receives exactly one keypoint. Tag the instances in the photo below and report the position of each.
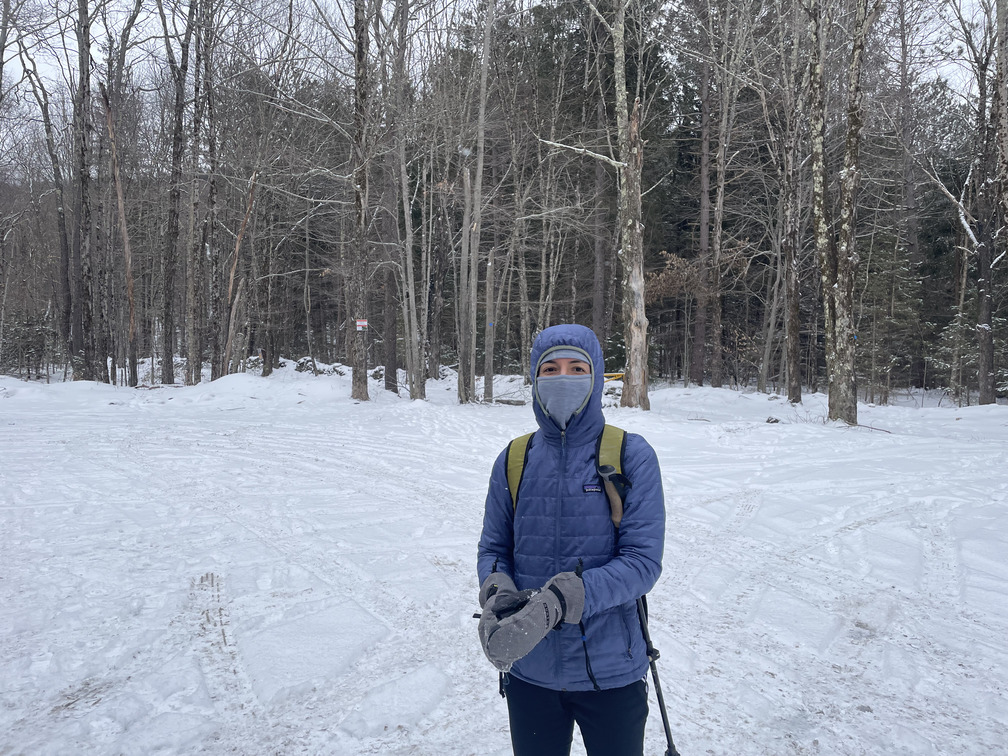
(585, 151)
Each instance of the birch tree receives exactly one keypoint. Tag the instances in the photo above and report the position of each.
(975, 29)
(837, 255)
(979, 35)
(472, 226)
(488, 284)
(630, 253)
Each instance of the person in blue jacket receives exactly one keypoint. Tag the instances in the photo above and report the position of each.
(558, 582)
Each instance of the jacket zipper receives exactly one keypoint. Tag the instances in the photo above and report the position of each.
(556, 539)
(560, 499)
(628, 634)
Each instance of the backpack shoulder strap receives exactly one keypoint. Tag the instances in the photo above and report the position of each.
(608, 458)
(517, 454)
(609, 461)
(611, 445)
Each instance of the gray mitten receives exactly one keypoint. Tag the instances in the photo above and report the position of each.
(509, 638)
(569, 588)
(499, 606)
(495, 582)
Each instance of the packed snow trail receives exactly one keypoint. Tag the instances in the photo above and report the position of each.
(263, 566)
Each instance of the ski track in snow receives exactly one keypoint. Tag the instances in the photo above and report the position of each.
(264, 566)
(867, 603)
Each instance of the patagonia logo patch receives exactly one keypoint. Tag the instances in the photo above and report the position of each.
(592, 488)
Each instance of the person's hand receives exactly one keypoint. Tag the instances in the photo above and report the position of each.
(509, 635)
(495, 582)
(500, 606)
(569, 589)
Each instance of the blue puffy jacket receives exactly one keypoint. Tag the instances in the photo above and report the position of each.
(562, 516)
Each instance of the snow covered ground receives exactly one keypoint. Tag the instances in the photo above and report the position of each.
(262, 566)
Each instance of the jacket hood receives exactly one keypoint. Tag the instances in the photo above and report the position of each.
(587, 424)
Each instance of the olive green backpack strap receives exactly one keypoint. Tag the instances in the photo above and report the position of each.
(611, 445)
(517, 453)
(609, 461)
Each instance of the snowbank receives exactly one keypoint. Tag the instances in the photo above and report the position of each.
(264, 566)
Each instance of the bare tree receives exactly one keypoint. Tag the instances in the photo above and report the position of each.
(631, 247)
(179, 67)
(7, 16)
(412, 314)
(82, 282)
(974, 26)
(356, 269)
(41, 95)
(132, 355)
(727, 28)
(488, 287)
(472, 187)
(1002, 101)
(838, 258)
(981, 42)
(196, 242)
(699, 353)
(783, 98)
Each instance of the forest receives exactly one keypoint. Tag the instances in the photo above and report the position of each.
(789, 195)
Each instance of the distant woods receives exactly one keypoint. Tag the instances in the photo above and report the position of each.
(789, 194)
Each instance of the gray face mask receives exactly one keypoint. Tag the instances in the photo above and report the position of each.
(563, 396)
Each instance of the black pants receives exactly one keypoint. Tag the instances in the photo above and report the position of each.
(542, 720)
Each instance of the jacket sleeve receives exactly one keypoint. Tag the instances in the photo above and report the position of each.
(496, 544)
(641, 537)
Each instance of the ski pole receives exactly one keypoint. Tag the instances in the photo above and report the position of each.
(653, 656)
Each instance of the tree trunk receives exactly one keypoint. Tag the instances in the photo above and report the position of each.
(727, 79)
(473, 229)
(525, 321)
(131, 357)
(770, 323)
(838, 263)
(195, 267)
(169, 259)
(957, 385)
(63, 288)
(909, 222)
(698, 353)
(389, 333)
(440, 247)
(234, 296)
(356, 272)
(988, 162)
(985, 324)
(602, 235)
(82, 276)
(488, 284)
(265, 310)
(794, 102)
(631, 249)
(465, 306)
(306, 291)
(412, 318)
(213, 263)
(792, 292)
(1002, 174)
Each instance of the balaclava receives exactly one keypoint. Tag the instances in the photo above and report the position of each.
(563, 396)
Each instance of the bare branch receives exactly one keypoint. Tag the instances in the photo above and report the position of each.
(598, 14)
(586, 152)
